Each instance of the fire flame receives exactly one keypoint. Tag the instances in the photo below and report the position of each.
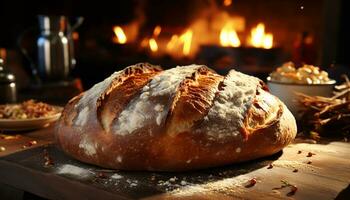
(186, 39)
(171, 44)
(268, 41)
(227, 2)
(260, 39)
(120, 35)
(157, 31)
(178, 43)
(153, 45)
(229, 37)
(221, 29)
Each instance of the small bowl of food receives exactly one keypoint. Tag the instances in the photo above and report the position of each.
(28, 115)
(287, 81)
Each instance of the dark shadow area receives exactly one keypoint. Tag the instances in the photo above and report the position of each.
(345, 194)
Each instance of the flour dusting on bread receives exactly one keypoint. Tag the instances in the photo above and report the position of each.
(89, 99)
(82, 116)
(88, 146)
(152, 105)
(225, 117)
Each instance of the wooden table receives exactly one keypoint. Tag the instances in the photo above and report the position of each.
(324, 175)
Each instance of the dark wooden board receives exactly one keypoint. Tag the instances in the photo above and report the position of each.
(324, 178)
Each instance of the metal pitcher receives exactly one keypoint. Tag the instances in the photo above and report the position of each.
(55, 49)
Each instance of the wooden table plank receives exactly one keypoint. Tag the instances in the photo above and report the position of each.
(324, 178)
(42, 137)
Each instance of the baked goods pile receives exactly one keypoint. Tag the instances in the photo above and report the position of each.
(307, 74)
(29, 109)
(189, 117)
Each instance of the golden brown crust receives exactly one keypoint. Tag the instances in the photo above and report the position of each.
(111, 103)
(174, 145)
(194, 95)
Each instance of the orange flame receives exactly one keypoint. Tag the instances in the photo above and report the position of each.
(157, 31)
(259, 38)
(153, 45)
(172, 43)
(227, 2)
(186, 39)
(120, 35)
(229, 37)
(268, 41)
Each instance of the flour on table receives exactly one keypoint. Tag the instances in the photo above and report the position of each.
(74, 170)
(116, 176)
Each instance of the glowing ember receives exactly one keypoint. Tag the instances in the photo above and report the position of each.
(153, 45)
(186, 38)
(259, 38)
(120, 35)
(229, 37)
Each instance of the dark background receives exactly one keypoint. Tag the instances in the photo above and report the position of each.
(19, 18)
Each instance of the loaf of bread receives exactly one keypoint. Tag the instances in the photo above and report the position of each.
(188, 117)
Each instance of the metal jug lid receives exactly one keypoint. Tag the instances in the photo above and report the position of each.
(5, 76)
(52, 23)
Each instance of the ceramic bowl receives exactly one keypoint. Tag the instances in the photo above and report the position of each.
(286, 92)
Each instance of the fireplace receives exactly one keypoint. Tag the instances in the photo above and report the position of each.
(248, 35)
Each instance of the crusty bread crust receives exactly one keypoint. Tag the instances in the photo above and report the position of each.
(178, 142)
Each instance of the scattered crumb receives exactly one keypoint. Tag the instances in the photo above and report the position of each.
(310, 154)
(295, 170)
(29, 144)
(293, 190)
(270, 166)
(251, 183)
(299, 152)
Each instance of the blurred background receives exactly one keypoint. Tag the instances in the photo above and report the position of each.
(252, 36)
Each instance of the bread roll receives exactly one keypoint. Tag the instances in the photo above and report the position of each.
(184, 118)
